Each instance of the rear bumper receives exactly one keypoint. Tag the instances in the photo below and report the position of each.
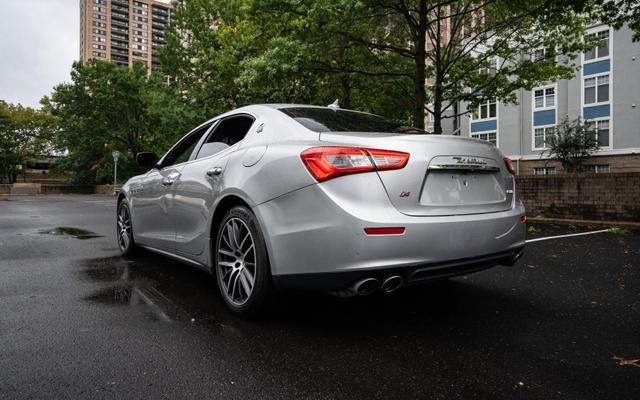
(411, 275)
(319, 231)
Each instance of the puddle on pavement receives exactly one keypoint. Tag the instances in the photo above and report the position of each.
(78, 233)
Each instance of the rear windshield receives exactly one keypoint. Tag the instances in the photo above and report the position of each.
(327, 120)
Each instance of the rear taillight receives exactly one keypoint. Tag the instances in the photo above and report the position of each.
(509, 164)
(332, 161)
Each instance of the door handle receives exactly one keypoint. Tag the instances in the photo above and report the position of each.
(214, 171)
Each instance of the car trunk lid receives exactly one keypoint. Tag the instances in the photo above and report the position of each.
(445, 175)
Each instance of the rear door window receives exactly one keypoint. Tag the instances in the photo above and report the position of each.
(228, 132)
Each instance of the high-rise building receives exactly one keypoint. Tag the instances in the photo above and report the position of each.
(123, 31)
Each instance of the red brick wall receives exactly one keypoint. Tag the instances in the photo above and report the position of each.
(613, 196)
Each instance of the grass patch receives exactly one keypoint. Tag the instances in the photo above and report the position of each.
(532, 229)
(618, 231)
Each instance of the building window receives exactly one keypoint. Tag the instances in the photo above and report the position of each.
(601, 50)
(596, 89)
(597, 169)
(98, 54)
(486, 110)
(544, 171)
(544, 98)
(601, 129)
(491, 137)
(541, 136)
(491, 68)
(544, 54)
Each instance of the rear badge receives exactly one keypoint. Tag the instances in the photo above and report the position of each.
(405, 194)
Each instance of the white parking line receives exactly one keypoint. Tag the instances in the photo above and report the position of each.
(569, 235)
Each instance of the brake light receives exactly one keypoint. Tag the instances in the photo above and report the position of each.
(328, 162)
(509, 164)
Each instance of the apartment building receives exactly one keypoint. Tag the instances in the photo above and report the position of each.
(605, 92)
(123, 31)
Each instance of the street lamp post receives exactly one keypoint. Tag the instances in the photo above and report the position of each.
(116, 155)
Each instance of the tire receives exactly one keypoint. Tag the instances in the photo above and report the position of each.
(240, 257)
(124, 229)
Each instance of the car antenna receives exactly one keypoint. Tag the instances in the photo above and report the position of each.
(335, 106)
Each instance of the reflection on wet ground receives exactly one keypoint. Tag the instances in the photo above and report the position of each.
(168, 290)
(528, 326)
(184, 293)
(78, 233)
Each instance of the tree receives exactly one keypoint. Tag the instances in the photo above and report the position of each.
(407, 57)
(618, 13)
(571, 142)
(25, 134)
(470, 51)
(225, 54)
(106, 108)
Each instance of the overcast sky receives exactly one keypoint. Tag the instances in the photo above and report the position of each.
(39, 40)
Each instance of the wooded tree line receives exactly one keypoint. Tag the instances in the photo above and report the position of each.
(25, 134)
(403, 59)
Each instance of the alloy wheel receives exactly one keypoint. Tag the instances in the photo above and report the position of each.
(124, 228)
(236, 260)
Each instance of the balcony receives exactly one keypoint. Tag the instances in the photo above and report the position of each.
(120, 9)
(118, 15)
(120, 45)
(160, 11)
(120, 52)
(121, 2)
(119, 23)
(120, 30)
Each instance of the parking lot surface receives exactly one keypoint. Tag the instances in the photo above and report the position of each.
(79, 321)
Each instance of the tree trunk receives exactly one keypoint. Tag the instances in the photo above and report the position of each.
(420, 81)
(437, 87)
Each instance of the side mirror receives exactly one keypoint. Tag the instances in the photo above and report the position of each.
(146, 159)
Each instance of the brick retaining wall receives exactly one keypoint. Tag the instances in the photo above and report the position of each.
(613, 196)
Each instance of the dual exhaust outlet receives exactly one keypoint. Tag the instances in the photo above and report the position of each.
(367, 286)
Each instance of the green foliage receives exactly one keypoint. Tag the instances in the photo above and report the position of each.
(25, 134)
(390, 57)
(225, 54)
(617, 13)
(106, 108)
(619, 231)
(571, 142)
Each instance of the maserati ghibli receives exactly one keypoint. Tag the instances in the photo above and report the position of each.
(283, 197)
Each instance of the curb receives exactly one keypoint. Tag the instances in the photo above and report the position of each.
(609, 224)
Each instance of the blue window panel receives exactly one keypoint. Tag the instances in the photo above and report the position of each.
(483, 126)
(547, 117)
(596, 112)
(597, 67)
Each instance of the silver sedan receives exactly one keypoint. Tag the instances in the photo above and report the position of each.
(293, 197)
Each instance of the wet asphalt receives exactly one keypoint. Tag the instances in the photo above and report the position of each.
(79, 321)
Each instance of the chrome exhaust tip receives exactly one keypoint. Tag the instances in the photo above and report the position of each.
(366, 286)
(392, 283)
